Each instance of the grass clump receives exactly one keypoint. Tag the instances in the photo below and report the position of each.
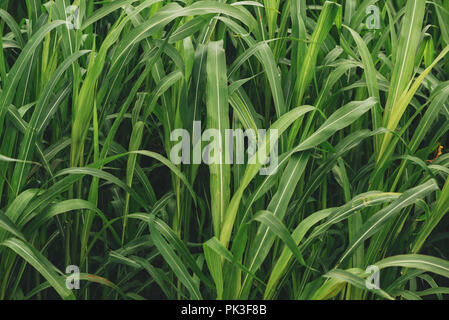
(91, 93)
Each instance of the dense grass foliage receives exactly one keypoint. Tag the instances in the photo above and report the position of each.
(90, 97)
